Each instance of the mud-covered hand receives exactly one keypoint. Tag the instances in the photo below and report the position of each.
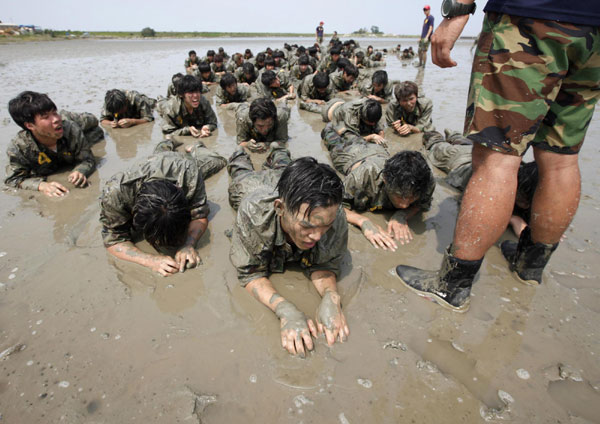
(256, 147)
(78, 179)
(164, 265)
(296, 330)
(204, 131)
(330, 318)
(195, 132)
(53, 189)
(398, 228)
(187, 257)
(377, 237)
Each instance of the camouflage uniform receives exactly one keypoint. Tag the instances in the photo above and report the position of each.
(347, 122)
(260, 90)
(216, 68)
(297, 76)
(232, 66)
(29, 162)
(88, 124)
(307, 90)
(533, 81)
(366, 89)
(241, 77)
(327, 65)
(172, 91)
(224, 98)
(452, 155)
(139, 106)
(120, 192)
(259, 246)
(339, 82)
(420, 117)
(245, 128)
(177, 120)
(188, 62)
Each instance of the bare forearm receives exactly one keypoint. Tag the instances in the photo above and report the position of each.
(324, 281)
(195, 230)
(264, 292)
(355, 218)
(128, 252)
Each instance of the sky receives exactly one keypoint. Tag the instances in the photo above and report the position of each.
(398, 17)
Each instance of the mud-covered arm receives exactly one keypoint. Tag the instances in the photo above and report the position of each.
(145, 109)
(169, 126)
(330, 318)
(390, 113)
(18, 171)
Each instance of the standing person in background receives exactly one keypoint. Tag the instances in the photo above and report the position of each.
(320, 31)
(425, 35)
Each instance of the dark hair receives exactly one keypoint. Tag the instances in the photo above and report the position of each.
(260, 57)
(191, 52)
(221, 49)
(301, 50)
(226, 80)
(371, 111)
(303, 60)
(262, 108)
(380, 77)
(204, 67)
(307, 181)
(360, 54)
(406, 89)
(268, 77)
(161, 213)
(210, 53)
(248, 68)
(237, 57)
(189, 84)
(278, 53)
(321, 80)
(378, 56)
(269, 61)
(248, 51)
(342, 63)
(27, 105)
(115, 100)
(176, 78)
(351, 70)
(287, 46)
(407, 174)
(335, 50)
(312, 51)
(218, 58)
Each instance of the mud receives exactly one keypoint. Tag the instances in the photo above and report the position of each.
(87, 338)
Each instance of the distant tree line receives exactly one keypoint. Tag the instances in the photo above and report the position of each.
(374, 30)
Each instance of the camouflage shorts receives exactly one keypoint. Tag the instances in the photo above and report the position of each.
(533, 81)
(424, 44)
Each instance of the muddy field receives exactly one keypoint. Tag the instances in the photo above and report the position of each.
(85, 338)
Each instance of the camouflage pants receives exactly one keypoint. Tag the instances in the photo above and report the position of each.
(311, 107)
(454, 159)
(325, 108)
(244, 179)
(349, 149)
(533, 81)
(208, 162)
(88, 124)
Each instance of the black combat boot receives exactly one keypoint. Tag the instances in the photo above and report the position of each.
(527, 259)
(450, 287)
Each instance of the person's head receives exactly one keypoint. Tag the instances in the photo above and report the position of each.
(192, 55)
(321, 81)
(278, 54)
(210, 55)
(342, 63)
(406, 176)
(219, 60)
(190, 90)
(176, 78)
(35, 112)
(260, 59)
(312, 51)
(248, 69)
(269, 51)
(350, 73)
(161, 214)
(204, 69)
(378, 56)
(228, 83)
(263, 114)
(360, 55)
(115, 102)
(335, 33)
(221, 51)
(270, 79)
(287, 47)
(300, 51)
(303, 63)
(269, 63)
(379, 80)
(309, 197)
(369, 49)
(335, 53)
(248, 54)
(370, 112)
(406, 93)
(426, 10)
(238, 59)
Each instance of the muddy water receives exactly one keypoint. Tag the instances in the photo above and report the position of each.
(92, 339)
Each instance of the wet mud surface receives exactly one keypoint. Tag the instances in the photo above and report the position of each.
(87, 338)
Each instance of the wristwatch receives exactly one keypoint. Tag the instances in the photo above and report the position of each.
(451, 8)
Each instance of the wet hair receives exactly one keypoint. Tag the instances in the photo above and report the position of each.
(161, 213)
(312, 51)
(407, 174)
(380, 77)
(278, 53)
(115, 100)
(371, 111)
(303, 60)
(176, 78)
(377, 56)
(406, 89)
(260, 57)
(301, 50)
(268, 77)
(248, 52)
(248, 68)
(262, 108)
(321, 80)
(204, 67)
(369, 47)
(343, 62)
(237, 57)
(335, 50)
(351, 70)
(191, 52)
(210, 53)
(219, 58)
(189, 84)
(287, 46)
(269, 61)
(360, 54)
(226, 80)
(305, 180)
(27, 105)
(221, 49)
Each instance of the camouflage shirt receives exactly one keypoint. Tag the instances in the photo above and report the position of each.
(177, 120)
(259, 245)
(309, 91)
(241, 95)
(347, 118)
(241, 77)
(262, 90)
(120, 192)
(338, 81)
(296, 75)
(245, 127)
(139, 106)
(366, 89)
(420, 117)
(30, 162)
(327, 65)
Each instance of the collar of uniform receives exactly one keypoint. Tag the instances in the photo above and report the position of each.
(280, 239)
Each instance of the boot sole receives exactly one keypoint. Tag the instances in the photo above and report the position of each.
(531, 283)
(432, 297)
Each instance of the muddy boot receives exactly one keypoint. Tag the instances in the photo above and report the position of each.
(450, 287)
(167, 145)
(456, 138)
(527, 259)
(279, 156)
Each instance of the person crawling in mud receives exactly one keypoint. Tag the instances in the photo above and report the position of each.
(49, 142)
(294, 218)
(162, 200)
(126, 108)
(261, 123)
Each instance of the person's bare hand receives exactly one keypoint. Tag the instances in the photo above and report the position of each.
(296, 330)
(78, 179)
(187, 257)
(377, 237)
(114, 124)
(405, 129)
(377, 139)
(400, 231)
(330, 318)
(164, 265)
(195, 132)
(53, 189)
(443, 39)
(256, 147)
(125, 123)
(204, 132)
